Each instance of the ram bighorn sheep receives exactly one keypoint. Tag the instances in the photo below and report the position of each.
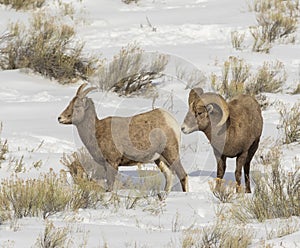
(233, 128)
(125, 141)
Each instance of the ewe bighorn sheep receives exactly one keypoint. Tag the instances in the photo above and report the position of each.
(233, 128)
(125, 141)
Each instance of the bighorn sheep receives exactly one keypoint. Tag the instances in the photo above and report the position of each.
(125, 141)
(233, 128)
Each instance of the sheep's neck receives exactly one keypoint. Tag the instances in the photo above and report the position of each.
(216, 137)
(208, 133)
(87, 132)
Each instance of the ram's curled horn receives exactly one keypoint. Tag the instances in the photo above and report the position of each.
(195, 93)
(82, 93)
(213, 98)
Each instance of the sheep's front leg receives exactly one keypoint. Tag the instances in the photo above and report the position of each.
(240, 163)
(111, 172)
(221, 164)
(221, 168)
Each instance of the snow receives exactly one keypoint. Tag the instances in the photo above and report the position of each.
(196, 35)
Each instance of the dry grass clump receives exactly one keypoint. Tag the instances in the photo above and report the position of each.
(282, 228)
(237, 78)
(192, 77)
(46, 195)
(48, 47)
(223, 191)
(130, 1)
(221, 234)
(276, 20)
(237, 40)
(269, 78)
(297, 90)
(34, 197)
(235, 73)
(131, 71)
(87, 176)
(290, 123)
(276, 194)
(53, 237)
(3, 146)
(23, 5)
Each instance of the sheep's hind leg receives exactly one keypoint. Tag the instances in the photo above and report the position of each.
(176, 166)
(181, 174)
(251, 153)
(167, 173)
(240, 163)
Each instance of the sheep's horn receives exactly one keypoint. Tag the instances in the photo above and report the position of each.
(209, 98)
(80, 89)
(194, 93)
(84, 93)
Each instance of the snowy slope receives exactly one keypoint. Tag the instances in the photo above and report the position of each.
(196, 34)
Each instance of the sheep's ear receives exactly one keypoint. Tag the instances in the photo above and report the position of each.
(194, 94)
(209, 108)
(85, 103)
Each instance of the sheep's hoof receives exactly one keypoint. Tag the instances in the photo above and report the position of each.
(162, 195)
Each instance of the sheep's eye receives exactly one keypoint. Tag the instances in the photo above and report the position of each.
(200, 114)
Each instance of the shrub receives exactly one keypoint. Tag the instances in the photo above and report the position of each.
(269, 78)
(220, 234)
(237, 40)
(277, 20)
(238, 79)
(290, 123)
(47, 47)
(193, 78)
(222, 191)
(235, 73)
(87, 176)
(297, 90)
(34, 197)
(276, 194)
(23, 5)
(3, 146)
(53, 237)
(130, 1)
(131, 71)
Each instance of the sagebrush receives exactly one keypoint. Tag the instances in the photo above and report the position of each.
(276, 21)
(218, 235)
(131, 71)
(290, 122)
(46, 46)
(3, 146)
(276, 193)
(238, 78)
(23, 5)
(53, 237)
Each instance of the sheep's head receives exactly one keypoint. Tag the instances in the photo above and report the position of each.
(75, 111)
(205, 109)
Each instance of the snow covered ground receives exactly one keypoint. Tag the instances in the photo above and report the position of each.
(194, 32)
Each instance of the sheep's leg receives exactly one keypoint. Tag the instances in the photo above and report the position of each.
(221, 164)
(181, 174)
(240, 163)
(111, 172)
(251, 153)
(221, 168)
(174, 163)
(167, 173)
